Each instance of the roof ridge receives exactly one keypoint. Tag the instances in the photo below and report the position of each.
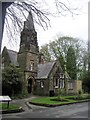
(47, 62)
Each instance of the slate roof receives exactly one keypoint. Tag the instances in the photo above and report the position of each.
(13, 57)
(44, 69)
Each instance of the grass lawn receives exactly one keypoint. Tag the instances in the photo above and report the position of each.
(3, 106)
(50, 100)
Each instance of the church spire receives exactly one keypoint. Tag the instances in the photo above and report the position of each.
(29, 24)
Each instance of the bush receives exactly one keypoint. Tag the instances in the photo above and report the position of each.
(86, 82)
(88, 96)
(59, 94)
(6, 89)
(79, 92)
(11, 81)
(20, 96)
(79, 96)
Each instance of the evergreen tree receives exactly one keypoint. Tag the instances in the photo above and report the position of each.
(11, 81)
(71, 63)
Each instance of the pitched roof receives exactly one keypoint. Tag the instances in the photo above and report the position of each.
(44, 69)
(13, 56)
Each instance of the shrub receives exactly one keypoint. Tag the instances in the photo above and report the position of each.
(79, 95)
(59, 94)
(11, 81)
(79, 92)
(88, 96)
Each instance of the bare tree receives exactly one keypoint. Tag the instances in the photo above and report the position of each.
(16, 11)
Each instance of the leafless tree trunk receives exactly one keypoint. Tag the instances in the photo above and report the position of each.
(17, 11)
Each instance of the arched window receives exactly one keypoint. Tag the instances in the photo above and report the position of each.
(56, 83)
(42, 84)
(61, 83)
(31, 66)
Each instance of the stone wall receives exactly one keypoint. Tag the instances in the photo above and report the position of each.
(42, 90)
(77, 85)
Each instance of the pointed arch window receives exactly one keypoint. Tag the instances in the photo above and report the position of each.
(56, 83)
(42, 84)
(61, 83)
(31, 66)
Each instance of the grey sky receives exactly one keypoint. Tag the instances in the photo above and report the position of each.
(76, 26)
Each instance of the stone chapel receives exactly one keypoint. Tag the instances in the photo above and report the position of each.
(42, 78)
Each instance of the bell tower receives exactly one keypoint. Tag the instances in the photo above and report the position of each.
(28, 53)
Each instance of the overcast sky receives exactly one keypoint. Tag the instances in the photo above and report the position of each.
(76, 26)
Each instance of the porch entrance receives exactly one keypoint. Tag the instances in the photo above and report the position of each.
(30, 85)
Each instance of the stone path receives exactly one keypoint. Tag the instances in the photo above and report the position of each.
(24, 103)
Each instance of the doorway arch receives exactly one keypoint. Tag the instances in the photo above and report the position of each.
(30, 83)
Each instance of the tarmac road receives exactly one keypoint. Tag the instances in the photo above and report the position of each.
(79, 110)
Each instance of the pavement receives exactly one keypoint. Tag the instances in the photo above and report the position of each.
(79, 110)
(24, 103)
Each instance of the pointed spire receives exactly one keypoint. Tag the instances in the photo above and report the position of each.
(29, 24)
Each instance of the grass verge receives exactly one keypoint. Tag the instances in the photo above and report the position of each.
(3, 106)
(51, 100)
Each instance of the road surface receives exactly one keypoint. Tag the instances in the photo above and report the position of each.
(79, 110)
